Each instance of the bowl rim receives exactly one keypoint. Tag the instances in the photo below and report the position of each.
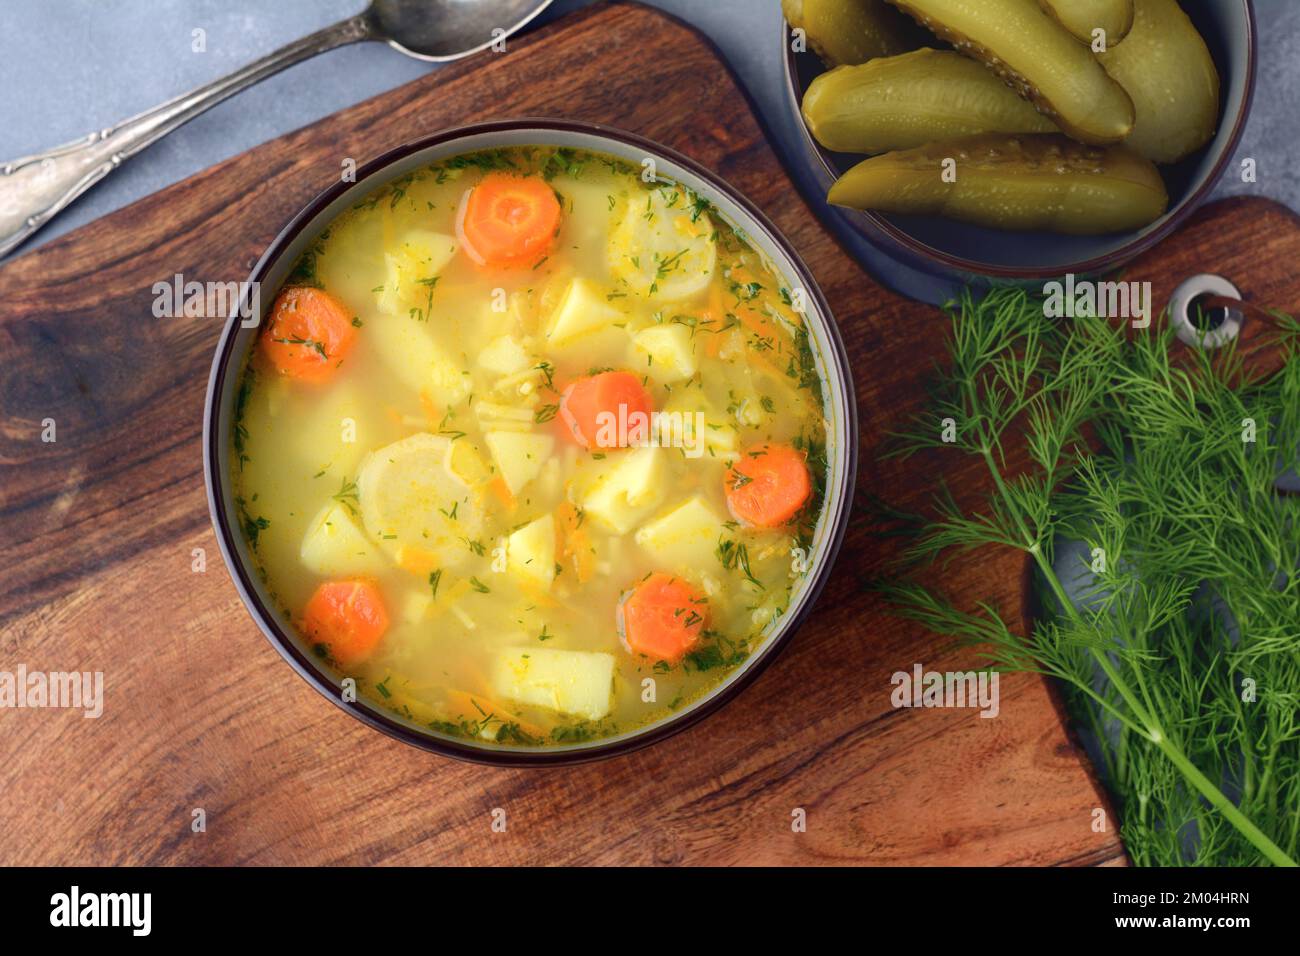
(835, 359)
(862, 221)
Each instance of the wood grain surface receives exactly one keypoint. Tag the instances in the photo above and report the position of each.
(97, 532)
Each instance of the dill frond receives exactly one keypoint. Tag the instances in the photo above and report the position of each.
(1142, 479)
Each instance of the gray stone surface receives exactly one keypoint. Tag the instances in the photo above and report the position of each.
(70, 66)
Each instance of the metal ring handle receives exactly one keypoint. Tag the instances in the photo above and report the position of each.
(1180, 311)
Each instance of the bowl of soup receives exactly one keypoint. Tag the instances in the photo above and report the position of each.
(536, 445)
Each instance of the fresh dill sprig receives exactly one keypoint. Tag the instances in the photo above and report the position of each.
(1142, 483)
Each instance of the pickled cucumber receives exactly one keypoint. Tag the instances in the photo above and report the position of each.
(852, 31)
(1082, 17)
(1167, 70)
(901, 102)
(1038, 182)
(1036, 56)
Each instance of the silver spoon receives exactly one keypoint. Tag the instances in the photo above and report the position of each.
(34, 189)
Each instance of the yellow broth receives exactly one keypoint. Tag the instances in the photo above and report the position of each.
(444, 413)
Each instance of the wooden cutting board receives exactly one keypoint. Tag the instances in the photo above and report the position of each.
(98, 531)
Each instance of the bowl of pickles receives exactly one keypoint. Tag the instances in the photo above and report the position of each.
(1020, 139)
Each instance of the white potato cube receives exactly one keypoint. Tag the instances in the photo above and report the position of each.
(420, 362)
(685, 538)
(582, 309)
(504, 356)
(580, 683)
(625, 488)
(530, 552)
(667, 352)
(519, 456)
(335, 546)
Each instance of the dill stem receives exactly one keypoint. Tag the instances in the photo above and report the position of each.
(1265, 781)
(1114, 766)
(1248, 758)
(1154, 732)
(1122, 756)
(1295, 829)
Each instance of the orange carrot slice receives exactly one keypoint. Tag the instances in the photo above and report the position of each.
(607, 410)
(662, 618)
(309, 334)
(508, 221)
(768, 485)
(348, 617)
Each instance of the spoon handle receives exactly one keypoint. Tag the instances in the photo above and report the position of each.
(34, 189)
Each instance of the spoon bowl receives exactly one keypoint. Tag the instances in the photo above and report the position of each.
(441, 30)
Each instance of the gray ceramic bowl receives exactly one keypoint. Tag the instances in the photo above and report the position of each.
(960, 253)
(274, 267)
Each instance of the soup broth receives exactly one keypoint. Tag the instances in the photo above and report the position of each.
(531, 448)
